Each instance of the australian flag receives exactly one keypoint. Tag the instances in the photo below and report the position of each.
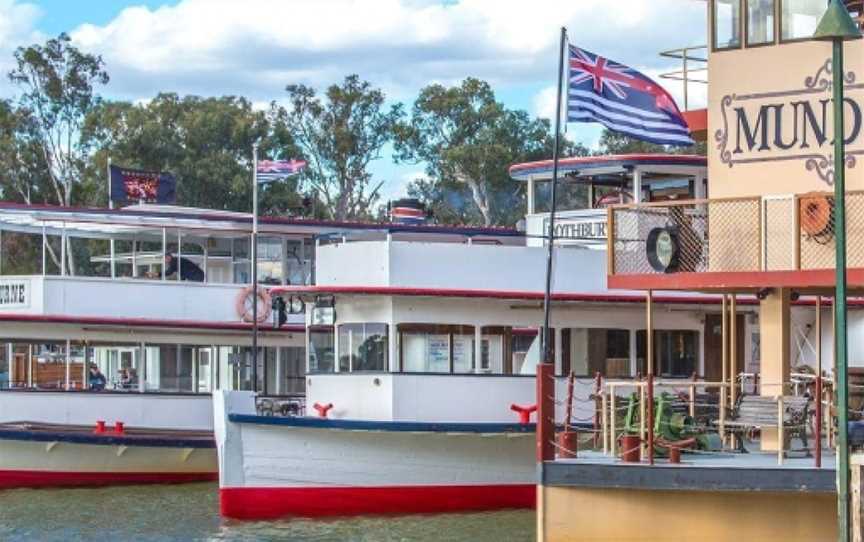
(623, 100)
(128, 185)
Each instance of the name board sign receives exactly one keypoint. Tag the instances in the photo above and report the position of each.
(14, 294)
(572, 229)
(791, 126)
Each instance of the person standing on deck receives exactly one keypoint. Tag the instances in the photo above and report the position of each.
(189, 270)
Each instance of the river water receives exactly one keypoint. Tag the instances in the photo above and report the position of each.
(190, 512)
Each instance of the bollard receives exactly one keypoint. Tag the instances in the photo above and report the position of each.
(524, 412)
(119, 428)
(100, 427)
(322, 409)
(568, 444)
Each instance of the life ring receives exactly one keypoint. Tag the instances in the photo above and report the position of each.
(816, 215)
(243, 305)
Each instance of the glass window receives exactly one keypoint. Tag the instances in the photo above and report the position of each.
(676, 352)
(430, 348)
(760, 22)
(270, 269)
(363, 347)
(799, 18)
(604, 351)
(321, 350)
(727, 24)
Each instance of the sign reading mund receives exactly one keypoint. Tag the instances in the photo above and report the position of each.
(792, 125)
(14, 294)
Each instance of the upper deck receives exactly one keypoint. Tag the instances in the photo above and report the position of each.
(109, 265)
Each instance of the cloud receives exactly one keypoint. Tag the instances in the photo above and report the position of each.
(17, 28)
(257, 47)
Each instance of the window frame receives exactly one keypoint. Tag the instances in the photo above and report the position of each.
(780, 38)
(713, 27)
(350, 327)
(776, 7)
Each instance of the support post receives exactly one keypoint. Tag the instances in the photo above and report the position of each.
(817, 424)
(649, 358)
(724, 356)
(255, 267)
(545, 412)
(733, 358)
(68, 373)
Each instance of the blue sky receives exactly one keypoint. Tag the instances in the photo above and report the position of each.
(255, 47)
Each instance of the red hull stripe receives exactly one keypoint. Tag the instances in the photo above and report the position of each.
(274, 502)
(11, 479)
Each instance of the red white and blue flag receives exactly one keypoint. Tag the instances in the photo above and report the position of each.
(623, 100)
(273, 170)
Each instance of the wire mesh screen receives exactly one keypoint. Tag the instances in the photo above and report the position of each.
(779, 232)
(733, 243)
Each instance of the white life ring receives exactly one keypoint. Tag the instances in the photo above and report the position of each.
(244, 305)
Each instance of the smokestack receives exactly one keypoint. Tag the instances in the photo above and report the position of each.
(407, 211)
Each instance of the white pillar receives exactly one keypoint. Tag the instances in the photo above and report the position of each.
(530, 195)
(637, 185)
(142, 367)
(559, 354)
(279, 373)
(699, 189)
(478, 347)
(68, 375)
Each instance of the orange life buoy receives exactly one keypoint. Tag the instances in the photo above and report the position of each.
(243, 305)
(816, 214)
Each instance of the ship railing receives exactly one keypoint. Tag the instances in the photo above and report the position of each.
(700, 411)
(792, 232)
(694, 68)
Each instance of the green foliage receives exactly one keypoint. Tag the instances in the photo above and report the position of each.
(467, 141)
(57, 92)
(340, 136)
(205, 142)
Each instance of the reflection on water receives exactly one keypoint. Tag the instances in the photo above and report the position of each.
(190, 512)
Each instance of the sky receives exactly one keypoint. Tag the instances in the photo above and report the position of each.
(256, 47)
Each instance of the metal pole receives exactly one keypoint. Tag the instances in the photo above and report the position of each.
(840, 293)
(544, 342)
(255, 267)
(111, 206)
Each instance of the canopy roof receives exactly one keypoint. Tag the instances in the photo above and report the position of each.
(589, 166)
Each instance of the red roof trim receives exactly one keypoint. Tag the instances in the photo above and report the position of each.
(141, 322)
(635, 159)
(496, 294)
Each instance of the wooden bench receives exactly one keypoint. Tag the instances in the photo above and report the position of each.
(757, 411)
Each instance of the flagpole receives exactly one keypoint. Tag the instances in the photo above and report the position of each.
(550, 238)
(255, 267)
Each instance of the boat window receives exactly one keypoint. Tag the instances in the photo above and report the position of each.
(676, 352)
(430, 348)
(799, 18)
(570, 195)
(20, 253)
(286, 369)
(270, 269)
(596, 350)
(321, 350)
(363, 347)
(760, 22)
(727, 24)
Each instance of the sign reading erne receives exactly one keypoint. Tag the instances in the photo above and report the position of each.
(14, 294)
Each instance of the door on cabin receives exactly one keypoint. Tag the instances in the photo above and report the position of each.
(714, 346)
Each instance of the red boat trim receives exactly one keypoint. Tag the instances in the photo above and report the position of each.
(274, 502)
(141, 322)
(11, 479)
(514, 295)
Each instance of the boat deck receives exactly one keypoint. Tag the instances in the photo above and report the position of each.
(86, 434)
(754, 471)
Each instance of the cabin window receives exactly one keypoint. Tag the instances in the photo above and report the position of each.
(676, 352)
(363, 347)
(588, 351)
(431, 348)
(799, 18)
(760, 22)
(727, 24)
(322, 348)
